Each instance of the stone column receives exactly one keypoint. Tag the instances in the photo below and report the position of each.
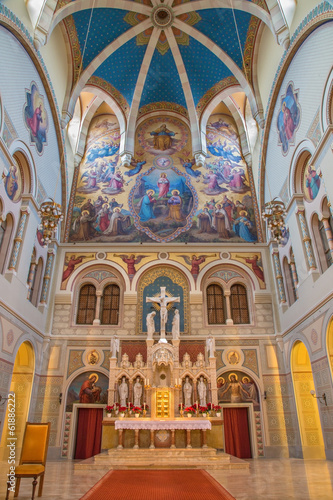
(188, 435)
(97, 320)
(229, 320)
(278, 277)
(47, 276)
(294, 276)
(329, 236)
(18, 239)
(306, 239)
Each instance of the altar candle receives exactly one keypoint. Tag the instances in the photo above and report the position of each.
(196, 404)
(181, 406)
(147, 381)
(144, 406)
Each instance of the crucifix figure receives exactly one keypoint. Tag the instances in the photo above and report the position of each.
(163, 301)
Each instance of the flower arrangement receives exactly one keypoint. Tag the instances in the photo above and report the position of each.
(216, 407)
(203, 409)
(122, 409)
(108, 409)
(190, 410)
(137, 409)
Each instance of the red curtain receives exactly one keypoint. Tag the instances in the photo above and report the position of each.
(89, 432)
(236, 432)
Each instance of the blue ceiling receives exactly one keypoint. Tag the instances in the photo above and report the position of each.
(122, 68)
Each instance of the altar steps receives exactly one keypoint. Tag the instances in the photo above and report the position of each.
(162, 458)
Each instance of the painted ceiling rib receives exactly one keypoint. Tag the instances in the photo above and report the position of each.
(243, 5)
(98, 61)
(130, 133)
(195, 133)
(225, 59)
(80, 5)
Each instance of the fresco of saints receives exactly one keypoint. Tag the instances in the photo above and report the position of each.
(131, 261)
(89, 392)
(163, 138)
(118, 223)
(175, 205)
(205, 222)
(195, 263)
(11, 182)
(146, 211)
(242, 227)
(35, 121)
(163, 185)
(312, 182)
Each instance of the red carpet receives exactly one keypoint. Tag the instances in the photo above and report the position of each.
(157, 485)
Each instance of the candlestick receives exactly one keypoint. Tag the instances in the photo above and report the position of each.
(196, 404)
(144, 406)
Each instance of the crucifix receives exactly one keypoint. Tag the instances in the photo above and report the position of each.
(163, 301)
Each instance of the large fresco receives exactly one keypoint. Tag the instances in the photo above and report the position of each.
(163, 197)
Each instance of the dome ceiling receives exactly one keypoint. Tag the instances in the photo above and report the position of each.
(179, 52)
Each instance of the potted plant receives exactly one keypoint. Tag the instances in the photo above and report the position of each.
(190, 410)
(217, 409)
(137, 410)
(203, 410)
(122, 411)
(116, 408)
(108, 410)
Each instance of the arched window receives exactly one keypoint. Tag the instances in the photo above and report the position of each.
(37, 279)
(239, 306)
(87, 305)
(291, 290)
(110, 305)
(6, 230)
(216, 308)
(323, 249)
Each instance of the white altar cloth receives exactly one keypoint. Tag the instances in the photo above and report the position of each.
(155, 425)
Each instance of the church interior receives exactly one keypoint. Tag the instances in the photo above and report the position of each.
(166, 242)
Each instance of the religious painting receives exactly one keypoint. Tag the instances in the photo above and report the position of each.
(288, 120)
(163, 197)
(13, 182)
(194, 262)
(237, 387)
(132, 262)
(163, 201)
(254, 262)
(88, 388)
(71, 263)
(35, 117)
(311, 183)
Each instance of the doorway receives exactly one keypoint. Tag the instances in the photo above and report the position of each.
(237, 432)
(306, 405)
(88, 432)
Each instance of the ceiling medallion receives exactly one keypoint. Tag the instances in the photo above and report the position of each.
(162, 16)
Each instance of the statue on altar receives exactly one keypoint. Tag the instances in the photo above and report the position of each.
(187, 390)
(114, 346)
(176, 325)
(202, 392)
(150, 322)
(210, 346)
(163, 301)
(139, 363)
(123, 392)
(137, 392)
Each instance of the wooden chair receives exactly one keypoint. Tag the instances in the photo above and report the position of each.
(33, 457)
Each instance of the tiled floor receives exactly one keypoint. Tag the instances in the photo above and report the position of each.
(267, 479)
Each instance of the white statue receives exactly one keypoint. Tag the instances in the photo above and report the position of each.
(123, 392)
(187, 390)
(187, 363)
(137, 392)
(150, 322)
(202, 392)
(163, 301)
(210, 346)
(114, 346)
(176, 325)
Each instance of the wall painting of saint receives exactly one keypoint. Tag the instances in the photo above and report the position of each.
(35, 117)
(12, 180)
(311, 183)
(288, 120)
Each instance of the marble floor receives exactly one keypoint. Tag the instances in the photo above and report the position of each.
(266, 479)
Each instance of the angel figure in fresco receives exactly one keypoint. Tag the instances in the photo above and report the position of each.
(71, 263)
(137, 166)
(163, 138)
(194, 262)
(131, 261)
(256, 264)
(188, 165)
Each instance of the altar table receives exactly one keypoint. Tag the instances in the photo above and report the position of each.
(153, 425)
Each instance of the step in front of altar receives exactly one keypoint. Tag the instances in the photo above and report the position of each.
(183, 458)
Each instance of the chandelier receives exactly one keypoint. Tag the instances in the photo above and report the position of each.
(274, 214)
(50, 215)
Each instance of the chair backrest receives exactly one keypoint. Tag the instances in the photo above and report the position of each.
(35, 443)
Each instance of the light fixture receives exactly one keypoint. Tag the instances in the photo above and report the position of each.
(265, 395)
(60, 398)
(321, 398)
(274, 214)
(50, 214)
